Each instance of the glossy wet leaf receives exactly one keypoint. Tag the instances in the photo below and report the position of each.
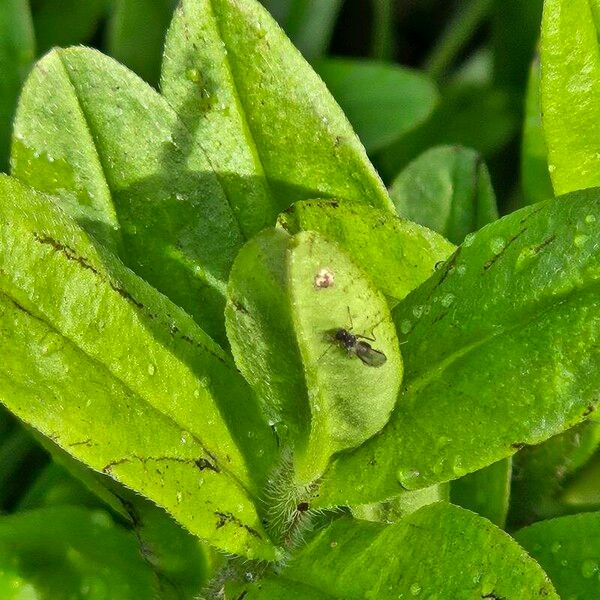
(308, 24)
(136, 35)
(89, 128)
(486, 492)
(288, 296)
(570, 92)
(16, 55)
(535, 178)
(500, 350)
(542, 472)
(447, 189)
(567, 549)
(397, 254)
(267, 123)
(383, 101)
(440, 551)
(61, 553)
(139, 392)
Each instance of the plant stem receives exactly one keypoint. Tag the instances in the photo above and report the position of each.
(383, 29)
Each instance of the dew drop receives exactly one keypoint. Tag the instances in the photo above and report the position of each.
(590, 219)
(415, 589)
(580, 240)
(589, 568)
(151, 369)
(407, 478)
(417, 312)
(555, 548)
(193, 75)
(524, 257)
(179, 497)
(446, 300)
(469, 240)
(497, 245)
(461, 269)
(551, 168)
(405, 326)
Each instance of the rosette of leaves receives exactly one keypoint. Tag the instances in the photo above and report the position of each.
(207, 298)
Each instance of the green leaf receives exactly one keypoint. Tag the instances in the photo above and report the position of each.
(391, 511)
(542, 472)
(535, 178)
(267, 123)
(398, 255)
(500, 349)
(440, 551)
(288, 296)
(66, 22)
(476, 116)
(382, 101)
(486, 492)
(93, 132)
(136, 35)
(60, 553)
(447, 189)
(567, 549)
(309, 24)
(570, 92)
(165, 411)
(581, 492)
(16, 55)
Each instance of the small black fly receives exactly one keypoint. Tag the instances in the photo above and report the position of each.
(356, 345)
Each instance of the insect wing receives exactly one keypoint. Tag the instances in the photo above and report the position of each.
(369, 356)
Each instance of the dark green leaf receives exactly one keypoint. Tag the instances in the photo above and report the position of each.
(16, 55)
(567, 549)
(383, 101)
(136, 35)
(486, 491)
(447, 189)
(500, 349)
(535, 177)
(61, 553)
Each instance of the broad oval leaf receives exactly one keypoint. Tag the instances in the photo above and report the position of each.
(260, 112)
(383, 101)
(568, 550)
(288, 298)
(570, 91)
(75, 321)
(88, 127)
(500, 349)
(398, 255)
(486, 492)
(542, 472)
(440, 551)
(60, 553)
(447, 189)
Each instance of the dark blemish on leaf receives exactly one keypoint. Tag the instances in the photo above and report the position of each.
(512, 240)
(449, 268)
(440, 317)
(69, 253)
(531, 214)
(545, 243)
(225, 518)
(302, 507)
(334, 204)
(239, 307)
(125, 294)
(518, 445)
(203, 464)
(494, 596)
(18, 306)
(589, 410)
(87, 442)
(242, 595)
